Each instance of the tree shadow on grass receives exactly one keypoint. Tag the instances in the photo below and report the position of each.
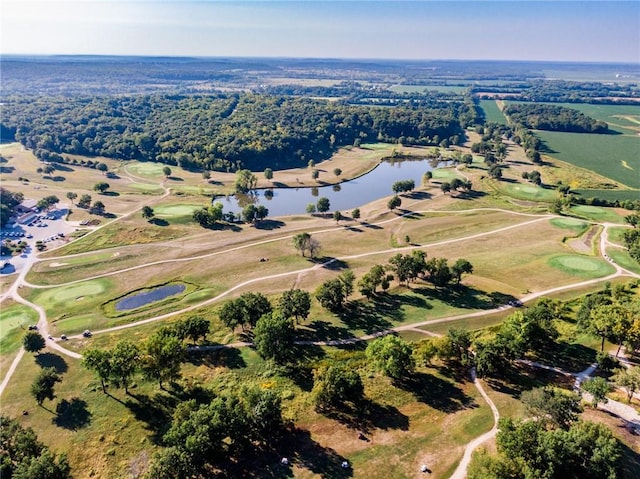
(366, 415)
(369, 317)
(333, 264)
(461, 297)
(569, 357)
(72, 414)
(52, 360)
(159, 222)
(297, 445)
(156, 412)
(436, 392)
(470, 195)
(110, 193)
(269, 224)
(521, 377)
(224, 357)
(318, 330)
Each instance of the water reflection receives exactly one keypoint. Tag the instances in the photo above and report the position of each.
(344, 197)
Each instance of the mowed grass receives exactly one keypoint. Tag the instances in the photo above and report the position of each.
(625, 260)
(613, 156)
(15, 319)
(527, 191)
(492, 113)
(583, 266)
(598, 213)
(575, 225)
(609, 195)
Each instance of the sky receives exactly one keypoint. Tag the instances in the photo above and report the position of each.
(555, 30)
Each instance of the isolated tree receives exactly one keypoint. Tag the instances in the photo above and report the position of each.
(196, 327)
(460, 267)
(323, 205)
(261, 212)
(311, 208)
(315, 174)
(166, 171)
(49, 169)
(249, 213)
(427, 177)
(98, 361)
(394, 202)
(392, 356)
(103, 167)
(495, 171)
(337, 171)
(598, 388)
(206, 175)
(125, 356)
(355, 214)
(232, 314)
(71, 196)
(311, 164)
(295, 303)
(97, 208)
(628, 379)
(331, 295)
(161, 358)
(336, 385)
(268, 173)
(84, 201)
(101, 187)
(560, 408)
(347, 278)
(33, 342)
(337, 215)
(304, 242)
(374, 278)
(147, 212)
(274, 337)
(245, 181)
(43, 385)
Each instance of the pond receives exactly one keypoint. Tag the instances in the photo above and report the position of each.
(151, 296)
(343, 197)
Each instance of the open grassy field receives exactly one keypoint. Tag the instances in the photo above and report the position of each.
(613, 156)
(492, 113)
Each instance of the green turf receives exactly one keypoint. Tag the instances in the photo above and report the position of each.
(14, 320)
(492, 112)
(145, 169)
(527, 191)
(615, 234)
(597, 213)
(613, 156)
(623, 258)
(175, 209)
(446, 174)
(572, 224)
(146, 187)
(623, 119)
(582, 266)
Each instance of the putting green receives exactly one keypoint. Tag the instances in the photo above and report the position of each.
(445, 174)
(12, 321)
(598, 213)
(582, 265)
(77, 291)
(569, 223)
(145, 169)
(175, 209)
(528, 192)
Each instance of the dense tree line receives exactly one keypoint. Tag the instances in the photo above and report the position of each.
(8, 201)
(553, 118)
(219, 131)
(22, 456)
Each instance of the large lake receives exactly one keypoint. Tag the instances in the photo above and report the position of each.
(343, 197)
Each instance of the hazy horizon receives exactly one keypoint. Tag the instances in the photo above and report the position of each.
(558, 31)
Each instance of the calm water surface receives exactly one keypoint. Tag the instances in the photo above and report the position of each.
(142, 299)
(343, 197)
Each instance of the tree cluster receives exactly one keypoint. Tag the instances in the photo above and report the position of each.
(22, 456)
(553, 118)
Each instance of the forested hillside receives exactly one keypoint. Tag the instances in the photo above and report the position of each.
(224, 131)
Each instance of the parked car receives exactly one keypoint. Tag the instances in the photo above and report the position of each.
(63, 337)
(87, 333)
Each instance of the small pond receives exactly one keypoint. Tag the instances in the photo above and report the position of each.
(343, 197)
(151, 296)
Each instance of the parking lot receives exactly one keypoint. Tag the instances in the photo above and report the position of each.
(48, 227)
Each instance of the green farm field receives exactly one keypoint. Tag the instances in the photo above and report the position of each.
(492, 112)
(613, 156)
